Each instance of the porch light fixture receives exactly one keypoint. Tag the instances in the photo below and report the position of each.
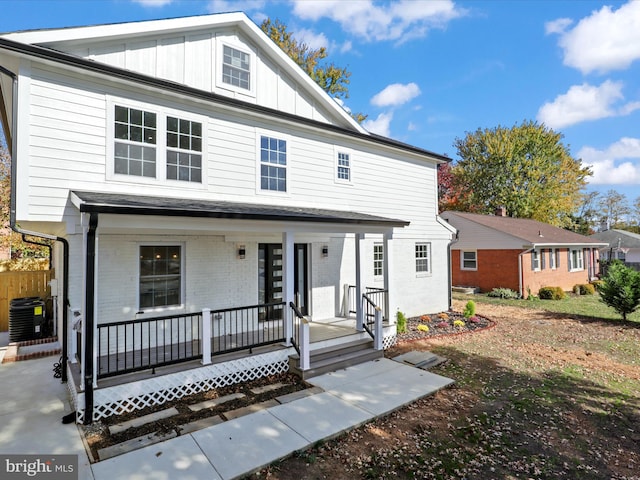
(325, 251)
(242, 251)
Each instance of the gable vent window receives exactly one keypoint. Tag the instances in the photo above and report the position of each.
(236, 69)
(135, 140)
(184, 150)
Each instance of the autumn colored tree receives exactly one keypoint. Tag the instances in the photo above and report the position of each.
(332, 79)
(526, 169)
(451, 194)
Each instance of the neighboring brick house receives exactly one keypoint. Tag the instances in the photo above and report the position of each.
(496, 251)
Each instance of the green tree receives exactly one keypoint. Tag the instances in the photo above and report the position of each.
(620, 288)
(332, 79)
(526, 169)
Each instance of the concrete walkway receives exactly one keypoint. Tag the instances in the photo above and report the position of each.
(34, 403)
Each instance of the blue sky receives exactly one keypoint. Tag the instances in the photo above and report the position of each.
(429, 71)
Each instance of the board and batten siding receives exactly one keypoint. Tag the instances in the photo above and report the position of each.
(68, 145)
(194, 60)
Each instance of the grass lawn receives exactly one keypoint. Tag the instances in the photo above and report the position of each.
(583, 305)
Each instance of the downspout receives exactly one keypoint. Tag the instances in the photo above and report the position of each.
(89, 317)
(453, 240)
(15, 228)
(521, 270)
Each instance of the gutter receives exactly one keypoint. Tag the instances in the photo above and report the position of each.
(12, 219)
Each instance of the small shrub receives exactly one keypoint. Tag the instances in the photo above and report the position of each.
(551, 293)
(576, 289)
(620, 289)
(442, 324)
(474, 319)
(443, 316)
(423, 328)
(425, 318)
(469, 309)
(459, 324)
(505, 293)
(584, 289)
(401, 322)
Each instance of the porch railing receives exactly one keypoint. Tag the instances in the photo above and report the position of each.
(246, 328)
(377, 295)
(134, 345)
(300, 338)
(372, 322)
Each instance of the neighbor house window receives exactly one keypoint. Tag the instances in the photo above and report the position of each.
(184, 150)
(160, 276)
(423, 258)
(469, 260)
(576, 260)
(535, 260)
(378, 259)
(344, 167)
(552, 259)
(135, 142)
(273, 164)
(236, 68)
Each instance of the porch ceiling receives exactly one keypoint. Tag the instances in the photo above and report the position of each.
(235, 212)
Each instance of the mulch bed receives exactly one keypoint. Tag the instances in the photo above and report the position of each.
(443, 324)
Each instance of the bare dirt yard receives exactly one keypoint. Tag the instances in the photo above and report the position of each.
(539, 396)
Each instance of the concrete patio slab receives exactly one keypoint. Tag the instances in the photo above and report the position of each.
(178, 458)
(334, 379)
(248, 443)
(320, 417)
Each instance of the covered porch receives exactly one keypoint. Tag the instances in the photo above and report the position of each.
(124, 365)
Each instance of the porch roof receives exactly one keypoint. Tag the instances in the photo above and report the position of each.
(123, 204)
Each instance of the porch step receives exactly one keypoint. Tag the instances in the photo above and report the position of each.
(336, 357)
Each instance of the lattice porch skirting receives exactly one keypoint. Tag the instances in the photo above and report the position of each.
(164, 388)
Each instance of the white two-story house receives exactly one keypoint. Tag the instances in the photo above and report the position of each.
(210, 205)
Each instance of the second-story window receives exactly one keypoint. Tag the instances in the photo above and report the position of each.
(344, 167)
(135, 142)
(184, 150)
(236, 68)
(273, 164)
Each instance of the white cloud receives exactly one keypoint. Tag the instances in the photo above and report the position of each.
(615, 165)
(225, 6)
(153, 3)
(557, 26)
(396, 20)
(585, 102)
(395, 94)
(381, 125)
(606, 40)
(312, 39)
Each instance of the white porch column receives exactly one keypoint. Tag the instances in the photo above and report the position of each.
(205, 328)
(287, 283)
(390, 305)
(96, 287)
(359, 262)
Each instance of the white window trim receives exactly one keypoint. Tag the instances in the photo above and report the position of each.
(429, 258)
(161, 144)
(580, 266)
(535, 260)
(462, 267)
(341, 181)
(379, 276)
(234, 43)
(272, 134)
(183, 280)
(552, 258)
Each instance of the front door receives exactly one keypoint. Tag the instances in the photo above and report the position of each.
(270, 286)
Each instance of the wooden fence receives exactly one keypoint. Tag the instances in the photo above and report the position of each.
(19, 285)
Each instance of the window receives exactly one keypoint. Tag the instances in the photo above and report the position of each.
(184, 150)
(236, 69)
(160, 276)
(469, 260)
(273, 164)
(575, 260)
(378, 259)
(552, 259)
(344, 167)
(135, 140)
(535, 260)
(423, 258)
